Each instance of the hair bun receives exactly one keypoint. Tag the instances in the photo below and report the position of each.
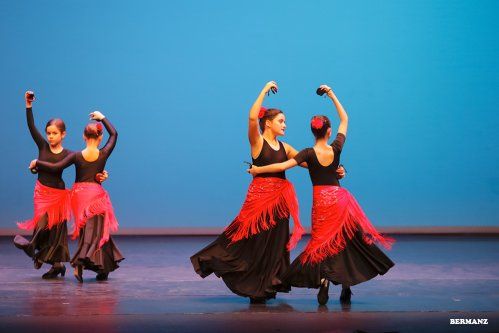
(93, 130)
(99, 128)
(317, 123)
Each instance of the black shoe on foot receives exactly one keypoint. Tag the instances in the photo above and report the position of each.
(323, 294)
(346, 295)
(102, 276)
(37, 264)
(54, 271)
(78, 273)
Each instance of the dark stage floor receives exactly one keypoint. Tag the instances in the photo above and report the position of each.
(155, 290)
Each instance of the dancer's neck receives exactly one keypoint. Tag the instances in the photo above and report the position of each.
(271, 138)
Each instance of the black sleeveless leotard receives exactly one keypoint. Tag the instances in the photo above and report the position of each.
(270, 156)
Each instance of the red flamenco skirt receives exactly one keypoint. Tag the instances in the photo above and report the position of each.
(251, 255)
(49, 243)
(94, 220)
(342, 247)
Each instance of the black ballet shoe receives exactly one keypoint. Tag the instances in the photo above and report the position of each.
(102, 276)
(254, 300)
(22, 243)
(323, 294)
(54, 271)
(78, 273)
(346, 295)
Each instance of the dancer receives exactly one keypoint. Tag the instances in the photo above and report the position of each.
(91, 205)
(341, 248)
(251, 255)
(51, 200)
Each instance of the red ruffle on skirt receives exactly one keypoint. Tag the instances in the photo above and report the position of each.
(51, 201)
(268, 198)
(336, 216)
(89, 200)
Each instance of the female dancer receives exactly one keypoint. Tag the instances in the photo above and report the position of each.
(341, 248)
(51, 200)
(251, 255)
(92, 209)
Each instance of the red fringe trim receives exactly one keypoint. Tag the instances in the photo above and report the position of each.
(336, 217)
(267, 199)
(89, 200)
(51, 201)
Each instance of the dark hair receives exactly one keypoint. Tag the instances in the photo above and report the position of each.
(61, 126)
(321, 131)
(93, 130)
(269, 114)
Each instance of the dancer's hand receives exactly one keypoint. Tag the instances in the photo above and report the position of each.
(340, 172)
(29, 97)
(96, 115)
(101, 176)
(271, 85)
(326, 88)
(253, 170)
(32, 164)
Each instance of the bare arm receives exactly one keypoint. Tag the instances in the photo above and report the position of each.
(292, 152)
(342, 128)
(254, 136)
(272, 168)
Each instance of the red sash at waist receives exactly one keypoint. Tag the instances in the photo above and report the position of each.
(267, 199)
(51, 201)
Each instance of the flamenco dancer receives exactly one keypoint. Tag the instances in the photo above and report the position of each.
(252, 254)
(91, 205)
(341, 248)
(51, 200)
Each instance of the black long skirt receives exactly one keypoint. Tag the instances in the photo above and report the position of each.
(357, 263)
(88, 253)
(251, 267)
(47, 245)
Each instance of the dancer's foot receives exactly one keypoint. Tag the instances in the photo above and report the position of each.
(323, 294)
(78, 273)
(346, 295)
(22, 243)
(102, 276)
(54, 271)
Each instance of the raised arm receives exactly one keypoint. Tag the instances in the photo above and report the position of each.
(342, 128)
(254, 136)
(48, 166)
(35, 134)
(113, 134)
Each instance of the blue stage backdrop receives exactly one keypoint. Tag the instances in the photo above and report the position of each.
(419, 79)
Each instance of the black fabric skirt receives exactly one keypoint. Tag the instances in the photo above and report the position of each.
(358, 262)
(251, 267)
(47, 245)
(88, 254)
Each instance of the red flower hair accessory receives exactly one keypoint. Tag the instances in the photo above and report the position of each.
(317, 123)
(261, 114)
(99, 127)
